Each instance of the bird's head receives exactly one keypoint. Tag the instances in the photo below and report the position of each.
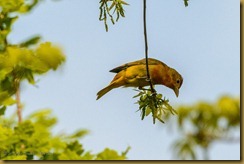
(176, 81)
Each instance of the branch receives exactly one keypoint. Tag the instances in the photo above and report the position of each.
(146, 47)
(18, 102)
(154, 93)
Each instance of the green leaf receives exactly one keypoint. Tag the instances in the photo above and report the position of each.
(31, 41)
(148, 111)
(10, 5)
(150, 102)
(50, 156)
(108, 154)
(30, 77)
(4, 72)
(124, 153)
(15, 157)
(105, 9)
(27, 7)
(88, 156)
(24, 129)
(6, 99)
(79, 134)
(43, 118)
(124, 3)
(75, 147)
(159, 96)
(9, 101)
(186, 3)
(2, 110)
(50, 55)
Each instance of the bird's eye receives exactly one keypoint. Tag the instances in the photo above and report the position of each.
(178, 81)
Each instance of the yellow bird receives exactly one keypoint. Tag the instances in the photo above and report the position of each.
(134, 74)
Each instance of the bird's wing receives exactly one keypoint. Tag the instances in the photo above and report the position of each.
(151, 61)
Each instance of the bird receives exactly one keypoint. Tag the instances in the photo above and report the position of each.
(134, 74)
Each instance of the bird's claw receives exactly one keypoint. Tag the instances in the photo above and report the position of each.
(144, 89)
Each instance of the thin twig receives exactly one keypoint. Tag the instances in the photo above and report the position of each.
(18, 102)
(146, 47)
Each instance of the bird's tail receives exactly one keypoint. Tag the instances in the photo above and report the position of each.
(104, 91)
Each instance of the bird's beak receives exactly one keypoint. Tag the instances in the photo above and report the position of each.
(176, 90)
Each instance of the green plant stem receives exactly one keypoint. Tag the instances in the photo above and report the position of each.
(18, 102)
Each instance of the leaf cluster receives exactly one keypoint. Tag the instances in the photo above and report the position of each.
(203, 123)
(116, 6)
(9, 11)
(152, 103)
(19, 6)
(22, 63)
(109, 7)
(32, 139)
(25, 60)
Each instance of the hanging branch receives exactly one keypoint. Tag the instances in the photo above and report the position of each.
(146, 46)
(154, 93)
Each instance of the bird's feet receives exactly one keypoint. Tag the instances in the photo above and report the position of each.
(144, 89)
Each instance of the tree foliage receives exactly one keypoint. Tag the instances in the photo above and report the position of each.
(154, 105)
(199, 125)
(32, 139)
(203, 123)
(25, 60)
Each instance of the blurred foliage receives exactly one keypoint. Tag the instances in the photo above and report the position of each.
(25, 60)
(201, 124)
(32, 139)
(9, 13)
(153, 104)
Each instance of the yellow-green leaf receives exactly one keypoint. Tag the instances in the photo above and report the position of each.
(52, 56)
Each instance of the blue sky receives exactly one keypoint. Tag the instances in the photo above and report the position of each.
(201, 41)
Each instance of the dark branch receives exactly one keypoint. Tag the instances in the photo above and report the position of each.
(147, 66)
(146, 47)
